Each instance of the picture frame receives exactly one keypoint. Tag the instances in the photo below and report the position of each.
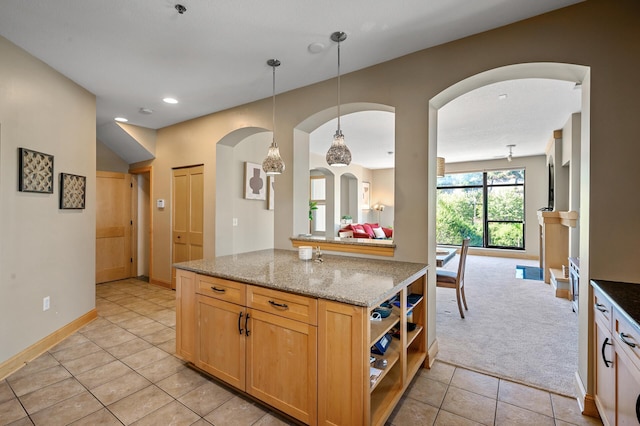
(366, 196)
(255, 182)
(73, 191)
(35, 171)
(271, 197)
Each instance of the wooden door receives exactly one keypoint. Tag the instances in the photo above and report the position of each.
(282, 364)
(221, 340)
(188, 205)
(113, 226)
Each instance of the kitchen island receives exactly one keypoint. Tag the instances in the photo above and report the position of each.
(297, 335)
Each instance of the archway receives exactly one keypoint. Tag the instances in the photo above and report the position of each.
(241, 224)
(567, 72)
(302, 165)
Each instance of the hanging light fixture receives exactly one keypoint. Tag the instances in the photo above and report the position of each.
(273, 164)
(440, 166)
(338, 154)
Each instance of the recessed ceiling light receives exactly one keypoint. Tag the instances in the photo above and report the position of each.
(121, 119)
(315, 47)
(502, 96)
(170, 100)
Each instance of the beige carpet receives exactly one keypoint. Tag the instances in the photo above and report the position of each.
(514, 329)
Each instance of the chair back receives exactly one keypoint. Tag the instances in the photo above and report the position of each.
(463, 260)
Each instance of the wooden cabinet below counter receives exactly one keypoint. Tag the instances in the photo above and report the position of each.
(306, 357)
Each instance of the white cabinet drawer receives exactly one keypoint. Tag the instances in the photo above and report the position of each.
(627, 338)
(602, 308)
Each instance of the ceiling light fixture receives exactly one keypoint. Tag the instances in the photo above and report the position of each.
(440, 166)
(510, 156)
(273, 164)
(338, 154)
(121, 119)
(170, 100)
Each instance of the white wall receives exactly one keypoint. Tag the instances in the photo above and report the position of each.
(382, 192)
(255, 222)
(535, 195)
(44, 251)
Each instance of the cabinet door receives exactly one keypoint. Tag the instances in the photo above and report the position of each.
(605, 375)
(281, 364)
(186, 321)
(221, 340)
(628, 391)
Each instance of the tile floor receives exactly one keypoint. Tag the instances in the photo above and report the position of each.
(121, 369)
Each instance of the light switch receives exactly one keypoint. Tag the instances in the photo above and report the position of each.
(160, 203)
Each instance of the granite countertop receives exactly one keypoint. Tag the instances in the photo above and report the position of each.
(352, 280)
(347, 241)
(626, 297)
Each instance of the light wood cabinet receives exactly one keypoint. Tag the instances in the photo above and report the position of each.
(186, 315)
(347, 394)
(260, 341)
(307, 357)
(617, 363)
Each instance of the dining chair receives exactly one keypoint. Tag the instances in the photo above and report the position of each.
(451, 279)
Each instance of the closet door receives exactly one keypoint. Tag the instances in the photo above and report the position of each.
(188, 199)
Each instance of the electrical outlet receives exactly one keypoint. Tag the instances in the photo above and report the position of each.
(235, 221)
(45, 303)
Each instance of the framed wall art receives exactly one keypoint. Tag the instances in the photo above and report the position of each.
(35, 171)
(366, 196)
(255, 182)
(73, 191)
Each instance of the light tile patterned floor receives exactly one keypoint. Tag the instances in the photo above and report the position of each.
(121, 369)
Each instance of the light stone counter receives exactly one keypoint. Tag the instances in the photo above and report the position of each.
(352, 280)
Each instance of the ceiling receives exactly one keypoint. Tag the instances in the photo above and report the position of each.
(132, 54)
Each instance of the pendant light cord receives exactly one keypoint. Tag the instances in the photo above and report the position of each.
(339, 87)
(274, 106)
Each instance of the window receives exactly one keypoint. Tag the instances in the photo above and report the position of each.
(317, 195)
(487, 207)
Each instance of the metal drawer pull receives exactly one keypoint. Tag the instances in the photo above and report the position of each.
(601, 308)
(218, 290)
(604, 357)
(638, 408)
(279, 305)
(623, 338)
(246, 324)
(240, 329)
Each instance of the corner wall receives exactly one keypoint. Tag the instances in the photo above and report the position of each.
(44, 251)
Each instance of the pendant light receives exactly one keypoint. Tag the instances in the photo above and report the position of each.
(273, 164)
(338, 154)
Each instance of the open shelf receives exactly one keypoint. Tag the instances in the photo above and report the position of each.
(386, 395)
(392, 355)
(380, 328)
(411, 335)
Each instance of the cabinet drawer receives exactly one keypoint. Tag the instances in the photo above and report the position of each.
(229, 291)
(602, 308)
(287, 305)
(627, 338)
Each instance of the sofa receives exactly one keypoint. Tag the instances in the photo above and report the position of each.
(366, 230)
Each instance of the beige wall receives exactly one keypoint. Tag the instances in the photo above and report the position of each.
(109, 161)
(382, 192)
(535, 195)
(44, 251)
(415, 85)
